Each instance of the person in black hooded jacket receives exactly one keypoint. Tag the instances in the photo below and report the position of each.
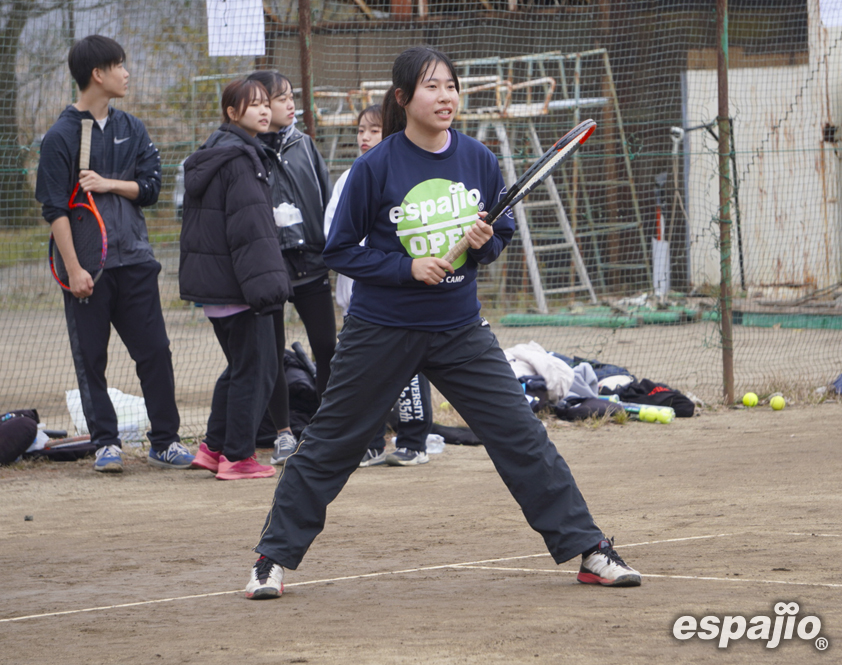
(301, 190)
(231, 263)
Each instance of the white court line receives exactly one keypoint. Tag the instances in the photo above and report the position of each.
(466, 564)
(670, 577)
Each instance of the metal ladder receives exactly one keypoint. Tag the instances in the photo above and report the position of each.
(545, 244)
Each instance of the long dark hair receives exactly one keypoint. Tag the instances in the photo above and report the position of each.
(410, 66)
(275, 82)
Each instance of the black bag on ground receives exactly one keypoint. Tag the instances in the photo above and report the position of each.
(17, 432)
(657, 394)
(582, 408)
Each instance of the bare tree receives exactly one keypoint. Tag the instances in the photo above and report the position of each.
(14, 186)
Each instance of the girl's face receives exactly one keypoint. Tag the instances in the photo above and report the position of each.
(283, 109)
(255, 117)
(369, 133)
(434, 103)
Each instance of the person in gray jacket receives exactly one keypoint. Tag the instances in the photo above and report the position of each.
(231, 263)
(301, 190)
(124, 176)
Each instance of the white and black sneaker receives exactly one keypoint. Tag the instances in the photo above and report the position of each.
(267, 580)
(285, 446)
(407, 457)
(373, 457)
(604, 566)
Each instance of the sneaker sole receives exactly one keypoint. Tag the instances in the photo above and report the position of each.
(414, 462)
(206, 467)
(110, 468)
(167, 465)
(374, 462)
(255, 476)
(265, 593)
(624, 580)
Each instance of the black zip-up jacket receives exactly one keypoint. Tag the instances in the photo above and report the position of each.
(229, 246)
(121, 151)
(302, 180)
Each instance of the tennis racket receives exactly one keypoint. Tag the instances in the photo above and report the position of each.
(534, 176)
(90, 239)
(647, 413)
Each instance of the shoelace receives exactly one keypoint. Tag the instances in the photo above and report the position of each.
(263, 567)
(174, 450)
(287, 443)
(108, 451)
(609, 551)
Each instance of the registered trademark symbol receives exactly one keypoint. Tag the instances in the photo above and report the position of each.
(822, 643)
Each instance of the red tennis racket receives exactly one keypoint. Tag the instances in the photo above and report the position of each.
(90, 239)
(534, 176)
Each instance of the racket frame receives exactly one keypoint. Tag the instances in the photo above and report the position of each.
(531, 178)
(84, 164)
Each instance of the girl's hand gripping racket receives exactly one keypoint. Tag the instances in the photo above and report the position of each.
(90, 239)
(535, 175)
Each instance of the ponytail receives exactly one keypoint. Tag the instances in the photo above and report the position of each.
(394, 116)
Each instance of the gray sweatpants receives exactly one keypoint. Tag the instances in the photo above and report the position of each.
(371, 366)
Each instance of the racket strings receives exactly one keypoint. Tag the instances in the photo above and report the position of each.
(88, 238)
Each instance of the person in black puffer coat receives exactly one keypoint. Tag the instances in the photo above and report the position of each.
(231, 263)
(300, 192)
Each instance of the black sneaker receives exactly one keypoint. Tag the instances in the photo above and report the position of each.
(605, 567)
(267, 580)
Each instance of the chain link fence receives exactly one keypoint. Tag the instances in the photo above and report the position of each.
(617, 261)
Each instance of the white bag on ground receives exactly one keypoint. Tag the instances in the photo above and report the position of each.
(132, 419)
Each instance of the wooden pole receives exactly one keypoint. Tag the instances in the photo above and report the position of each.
(725, 302)
(305, 35)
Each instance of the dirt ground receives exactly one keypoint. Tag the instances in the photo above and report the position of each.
(727, 513)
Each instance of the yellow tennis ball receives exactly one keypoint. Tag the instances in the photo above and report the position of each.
(777, 402)
(750, 399)
(444, 406)
(664, 416)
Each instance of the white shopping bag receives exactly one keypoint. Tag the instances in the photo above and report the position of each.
(132, 419)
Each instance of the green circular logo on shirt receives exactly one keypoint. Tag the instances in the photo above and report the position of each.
(434, 216)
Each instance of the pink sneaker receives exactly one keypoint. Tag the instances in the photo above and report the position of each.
(243, 469)
(206, 458)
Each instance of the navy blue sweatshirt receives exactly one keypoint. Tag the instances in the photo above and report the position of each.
(411, 204)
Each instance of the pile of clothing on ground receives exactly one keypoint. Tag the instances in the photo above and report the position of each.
(576, 389)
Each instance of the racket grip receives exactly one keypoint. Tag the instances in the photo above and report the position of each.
(457, 250)
(85, 145)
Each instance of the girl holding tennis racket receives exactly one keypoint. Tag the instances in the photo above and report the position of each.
(413, 197)
(415, 417)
